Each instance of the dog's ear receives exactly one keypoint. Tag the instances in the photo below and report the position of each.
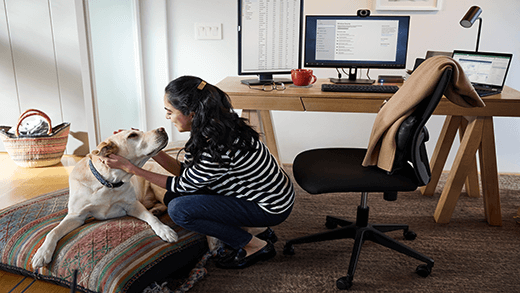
(105, 148)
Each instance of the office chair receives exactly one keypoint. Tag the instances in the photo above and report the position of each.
(339, 170)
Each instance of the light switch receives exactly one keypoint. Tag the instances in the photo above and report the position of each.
(208, 31)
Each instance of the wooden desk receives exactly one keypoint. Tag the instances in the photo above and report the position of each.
(474, 124)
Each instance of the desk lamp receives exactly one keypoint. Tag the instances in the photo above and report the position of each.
(471, 16)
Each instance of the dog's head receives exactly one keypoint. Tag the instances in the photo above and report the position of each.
(134, 145)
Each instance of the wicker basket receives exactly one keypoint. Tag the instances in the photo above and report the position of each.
(36, 151)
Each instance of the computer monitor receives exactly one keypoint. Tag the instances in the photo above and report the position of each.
(339, 41)
(269, 39)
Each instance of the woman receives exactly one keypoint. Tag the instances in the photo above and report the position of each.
(228, 179)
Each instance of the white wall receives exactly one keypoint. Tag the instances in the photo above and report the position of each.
(40, 66)
(213, 60)
(101, 65)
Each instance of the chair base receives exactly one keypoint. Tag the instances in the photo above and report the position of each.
(361, 231)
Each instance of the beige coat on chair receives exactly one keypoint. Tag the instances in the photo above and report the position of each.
(420, 85)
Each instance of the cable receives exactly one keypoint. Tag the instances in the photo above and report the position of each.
(16, 286)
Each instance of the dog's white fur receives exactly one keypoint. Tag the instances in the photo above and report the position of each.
(87, 196)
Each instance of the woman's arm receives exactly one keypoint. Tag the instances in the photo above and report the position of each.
(118, 162)
(169, 163)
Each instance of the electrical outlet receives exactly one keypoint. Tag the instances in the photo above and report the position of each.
(208, 31)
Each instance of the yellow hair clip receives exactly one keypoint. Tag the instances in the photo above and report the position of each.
(201, 85)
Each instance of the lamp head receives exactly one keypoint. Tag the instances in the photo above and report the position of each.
(471, 16)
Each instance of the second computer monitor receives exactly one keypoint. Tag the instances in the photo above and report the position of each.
(356, 42)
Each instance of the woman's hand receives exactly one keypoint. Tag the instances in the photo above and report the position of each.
(119, 130)
(118, 162)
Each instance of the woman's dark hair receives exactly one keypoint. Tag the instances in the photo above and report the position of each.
(215, 128)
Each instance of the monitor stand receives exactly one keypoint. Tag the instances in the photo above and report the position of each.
(265, 79)
(352, 78)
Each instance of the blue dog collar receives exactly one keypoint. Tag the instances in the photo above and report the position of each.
(101, 179)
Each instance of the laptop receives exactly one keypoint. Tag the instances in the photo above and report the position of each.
(486, 71)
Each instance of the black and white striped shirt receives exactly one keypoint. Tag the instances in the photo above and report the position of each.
(252, 175)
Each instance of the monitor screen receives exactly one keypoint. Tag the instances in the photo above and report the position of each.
(356, 42)
(269, 38)
(482, 68)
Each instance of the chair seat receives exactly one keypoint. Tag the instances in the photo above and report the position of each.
(339, 170)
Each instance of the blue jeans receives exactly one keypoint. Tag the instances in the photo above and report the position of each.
(221, 216)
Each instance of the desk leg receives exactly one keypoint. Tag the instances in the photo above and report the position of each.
(463, 160)
(268, 131)
(472, 185)
(262, 122)
(442, 149)
(489, 174)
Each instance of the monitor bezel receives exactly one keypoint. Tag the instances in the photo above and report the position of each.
(308, 62)
(268, 72)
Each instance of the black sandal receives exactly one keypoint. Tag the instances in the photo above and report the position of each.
(268, 234)
(240, 261)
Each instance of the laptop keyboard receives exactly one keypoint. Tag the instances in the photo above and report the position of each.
(484, 93)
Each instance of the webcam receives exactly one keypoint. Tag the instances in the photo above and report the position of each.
(363, 12)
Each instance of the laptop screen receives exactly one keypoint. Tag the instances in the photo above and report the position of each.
(483, 68)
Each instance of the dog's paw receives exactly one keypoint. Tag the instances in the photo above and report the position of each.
(166, 233)
(42, 257)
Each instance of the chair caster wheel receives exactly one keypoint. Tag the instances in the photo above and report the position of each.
(344, 283)
(423, 270)
(288, 249)
(331, 224)
(409, 235)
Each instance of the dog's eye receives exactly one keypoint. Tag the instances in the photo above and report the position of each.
(133, 135)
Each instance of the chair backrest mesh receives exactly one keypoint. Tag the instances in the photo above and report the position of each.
(412, 134)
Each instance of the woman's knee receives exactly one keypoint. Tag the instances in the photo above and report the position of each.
(177, 210)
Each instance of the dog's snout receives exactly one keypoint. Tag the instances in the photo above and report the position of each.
(161, 133)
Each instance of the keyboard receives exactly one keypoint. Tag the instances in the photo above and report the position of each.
(356, 88)
(485, 93)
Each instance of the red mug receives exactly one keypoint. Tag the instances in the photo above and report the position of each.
(302, 77)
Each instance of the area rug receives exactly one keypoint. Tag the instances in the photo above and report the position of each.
(469, 254)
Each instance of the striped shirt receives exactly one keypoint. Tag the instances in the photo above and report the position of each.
(251, 175)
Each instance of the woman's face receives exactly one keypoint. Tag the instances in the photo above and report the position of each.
(181, 121)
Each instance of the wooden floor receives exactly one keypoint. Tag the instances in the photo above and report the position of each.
(19, 184)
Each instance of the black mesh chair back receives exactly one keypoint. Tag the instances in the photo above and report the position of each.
(413, 134)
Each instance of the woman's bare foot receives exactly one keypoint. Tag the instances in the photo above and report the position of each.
(254, 245)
